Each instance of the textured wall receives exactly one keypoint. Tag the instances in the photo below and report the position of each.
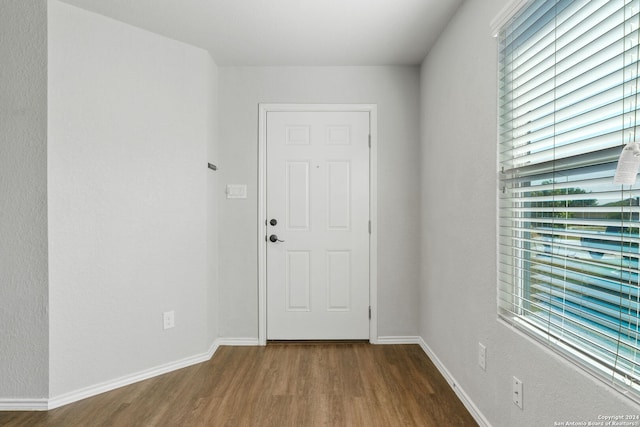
(396, 91)
(458, 292)
(24, 342)
(129, 130)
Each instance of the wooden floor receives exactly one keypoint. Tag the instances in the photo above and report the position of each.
(328, 384)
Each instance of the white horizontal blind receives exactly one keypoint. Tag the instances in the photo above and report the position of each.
(569, 237)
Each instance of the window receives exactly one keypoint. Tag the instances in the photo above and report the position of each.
(568, 236)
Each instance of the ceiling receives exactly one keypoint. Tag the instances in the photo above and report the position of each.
(292, 32)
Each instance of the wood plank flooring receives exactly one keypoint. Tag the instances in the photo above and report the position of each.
(305, 384)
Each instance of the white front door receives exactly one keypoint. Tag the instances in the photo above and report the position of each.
(317, 198)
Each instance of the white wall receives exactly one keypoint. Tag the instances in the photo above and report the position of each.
(24, 344)
(396, 91)
(130, 131)
(458, 291)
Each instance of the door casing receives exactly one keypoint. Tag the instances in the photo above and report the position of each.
(263, 109)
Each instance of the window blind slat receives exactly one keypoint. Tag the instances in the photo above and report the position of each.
(577, 237)
(596, 313)
(580, 160)
(563, 196)
(573, 258)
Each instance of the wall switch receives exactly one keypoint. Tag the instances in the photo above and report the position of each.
(516, 392)
(168, 318)
(236, 191)
(482, 356)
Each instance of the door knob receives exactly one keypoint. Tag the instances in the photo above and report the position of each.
(273, 222)
(273, 238)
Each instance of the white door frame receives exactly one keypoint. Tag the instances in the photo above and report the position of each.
(263, 109)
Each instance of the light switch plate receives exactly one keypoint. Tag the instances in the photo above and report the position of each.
(236, 191)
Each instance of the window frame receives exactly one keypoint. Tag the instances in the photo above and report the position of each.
(516, 315)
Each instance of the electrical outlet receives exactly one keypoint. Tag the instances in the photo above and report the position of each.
(516, 392)
(482, 356)
(169, 320)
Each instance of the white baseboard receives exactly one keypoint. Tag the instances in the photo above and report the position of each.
(96, 389)
(23, 405)
(399, 340)
(466, 401)
(74, 396)
(93, 390)
(238, 341)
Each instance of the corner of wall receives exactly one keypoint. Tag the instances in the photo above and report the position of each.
(459, 243)
(130, 127)
(213, 288)
(24, 281)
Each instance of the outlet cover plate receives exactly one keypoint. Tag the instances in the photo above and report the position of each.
(516, 392)
(169, 320)
(482, 356)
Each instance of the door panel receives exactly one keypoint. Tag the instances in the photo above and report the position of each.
(318, 192)
(339, 195)
(297, 195)
(298, 281)
(339, 280)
